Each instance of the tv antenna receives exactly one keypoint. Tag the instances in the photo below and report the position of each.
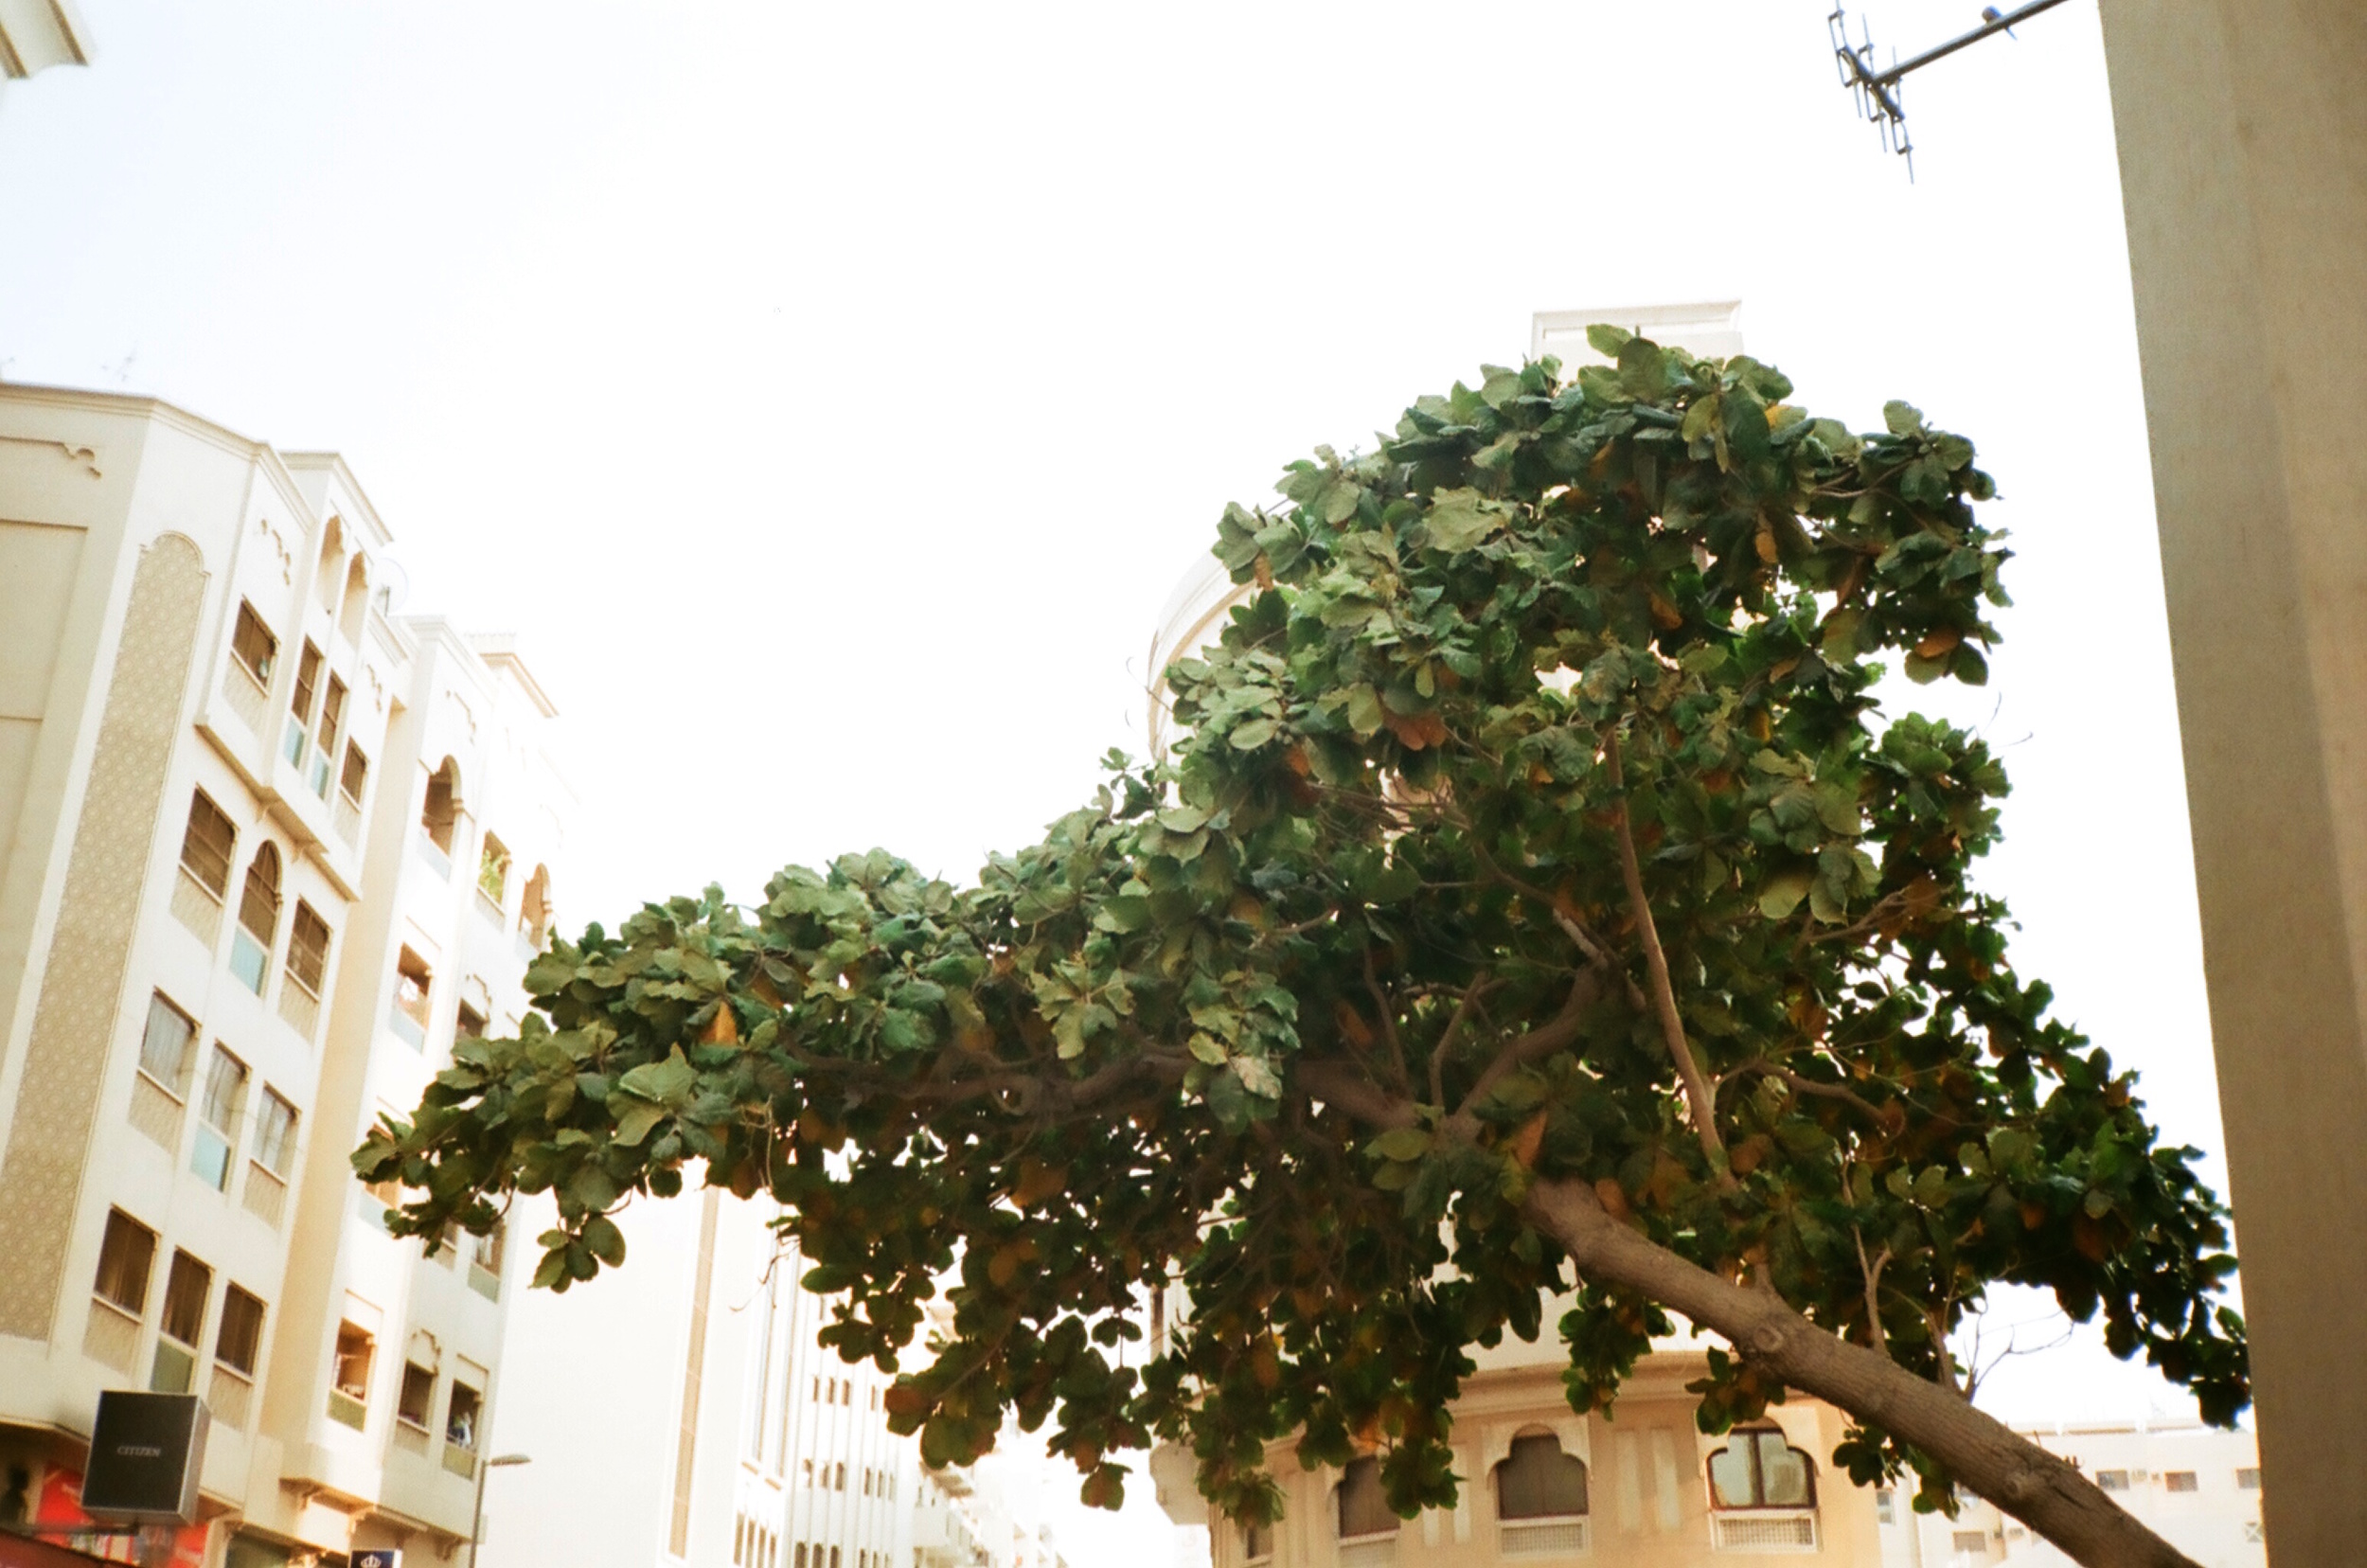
(1880, 97)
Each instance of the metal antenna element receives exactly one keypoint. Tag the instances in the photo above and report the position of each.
(1879, 95)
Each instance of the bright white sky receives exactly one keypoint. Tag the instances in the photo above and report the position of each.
(830, 396)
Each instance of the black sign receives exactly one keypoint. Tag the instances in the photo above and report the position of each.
(145, 1451)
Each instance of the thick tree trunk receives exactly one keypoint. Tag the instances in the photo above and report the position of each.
(2044, 1491)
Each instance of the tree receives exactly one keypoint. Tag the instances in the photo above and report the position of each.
(1536, 903)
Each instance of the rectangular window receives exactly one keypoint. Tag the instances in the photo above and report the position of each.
(356, 774)
(418, 1400)
(308, 950)
(414, 980)
(239, 1343)
(1969, 1540)
(187, 1285)
(168, 1047)
(2247, 1478)
(126, 1253)
(274, 1133)
(2179, 1481)
(307, 683)
(468, 1023)
(253, 645)
(356, 1347)
(300, 706)
(332, 715)
(219, 1111)
(2112, 1480)
(463, 1416)
(207, 845)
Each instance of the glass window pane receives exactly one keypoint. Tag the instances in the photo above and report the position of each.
(1732, 1480)
(185, 1290)
(164, 1049)
(126, 1251)
(1783, 1471)
(242, 1337)
(1540, 1481)
(1364, 1506)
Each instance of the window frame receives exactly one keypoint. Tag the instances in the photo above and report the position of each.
(275, 1135)
(226, 1129)
(200, 802)
(300, 951)
(349, 785)
(187, 1267)
(235, 1301)
(147, 1240)
(1497, 1475)
(1758, 1472)
(178, 1085)
(250, 618)
(1354, 1475)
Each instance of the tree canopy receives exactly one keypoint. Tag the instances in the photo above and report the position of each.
(1536, 901)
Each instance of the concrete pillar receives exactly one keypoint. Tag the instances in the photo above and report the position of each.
(2243, 145)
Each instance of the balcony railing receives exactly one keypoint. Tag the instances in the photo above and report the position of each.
(459, 1461)
(346, 1410)
(1764, 1530)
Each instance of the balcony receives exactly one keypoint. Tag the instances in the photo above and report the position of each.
(346, 1410)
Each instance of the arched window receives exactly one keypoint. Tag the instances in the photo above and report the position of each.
(493, 873)
(1364, 1506)
(325, 573)
(1539, 1481)
(443, 806)
(258, 919)
(1256, 1542)
(1757, 1468)
(356, 602)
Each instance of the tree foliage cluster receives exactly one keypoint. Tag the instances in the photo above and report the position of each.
(1536, 906)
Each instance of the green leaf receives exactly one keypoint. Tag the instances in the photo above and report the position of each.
(1206, 1048)
(604, 1241)
(1364, 710)
(635, 1119)
(1607, 340)
(1400, 1142)
(1461, 519)
(1901, 418)
(1255, 733)
(1783, 892)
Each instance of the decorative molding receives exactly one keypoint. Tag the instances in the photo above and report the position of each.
(87, 456)
(75, 1022)
(287, 562)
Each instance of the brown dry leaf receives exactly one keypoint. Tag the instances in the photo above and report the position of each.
(1352, 1024)
(1264, 570)
(1526, 1139)
(1766, 542)
(1614, 1200)
(722, 1029)
(1416, 732)
(1939, 643)
(1664, 613)
(1037, 1181)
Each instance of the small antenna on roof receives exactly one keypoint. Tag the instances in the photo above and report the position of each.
(1879, 95)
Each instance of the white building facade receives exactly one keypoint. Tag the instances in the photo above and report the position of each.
(268, 852)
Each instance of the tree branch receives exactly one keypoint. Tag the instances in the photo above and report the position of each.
(1699, 1101)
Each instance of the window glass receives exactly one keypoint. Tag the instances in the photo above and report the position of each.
(274, 1133)
(1364, 1506)
(442, 808)
(2112, 1480)
(356, 773)
(126, 1253)
(417, 1397)
(308, 949)
(258, 902)
(240, 1340)
(461, 1416)
(168, 1047)
(493, 870)
(332, 714)
(355, 1349)
(2178, 1481)
(186, 1286)
(219, 1110)
(207, 844)
(1256, 1542)
(2247, 1478)
(305, 686)
(253, 645)
(1758, 1470)
(413, 980)
(1540, 1481)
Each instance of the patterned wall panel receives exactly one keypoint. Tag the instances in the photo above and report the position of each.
(75, 1020)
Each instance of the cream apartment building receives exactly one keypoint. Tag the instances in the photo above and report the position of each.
(265, 851)
(693, 1384)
